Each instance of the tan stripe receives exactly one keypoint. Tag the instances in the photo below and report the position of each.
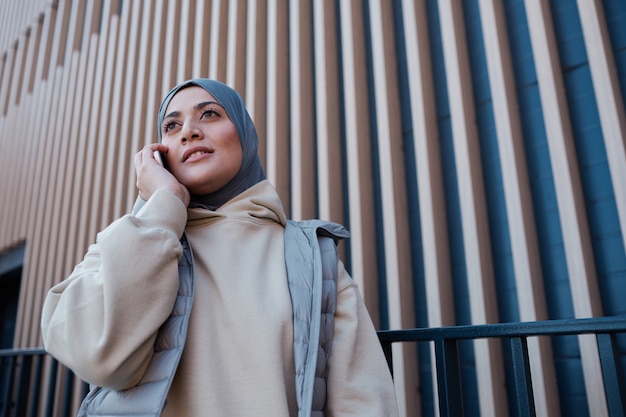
(38, 204)
(301, 109)
(524, 246)
(359, 168)
(6, 148)
(7, 79)
(76, 245)
(394, 203)
(576, 239)
(481, 286)
(231, 43)
(75, 141)
(608, 98)
(215, 39)
(133, 73)
(64, 110)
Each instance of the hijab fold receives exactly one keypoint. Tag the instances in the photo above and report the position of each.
(251, 171)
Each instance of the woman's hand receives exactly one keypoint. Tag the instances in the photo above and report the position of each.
(152, 176)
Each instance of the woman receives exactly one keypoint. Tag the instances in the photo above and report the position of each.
(206, 300)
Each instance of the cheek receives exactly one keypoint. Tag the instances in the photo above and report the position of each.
(170, 144)
(238, 155)
(234, 148)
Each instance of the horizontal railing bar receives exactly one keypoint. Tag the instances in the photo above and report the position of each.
(22, 351)
(613, 324)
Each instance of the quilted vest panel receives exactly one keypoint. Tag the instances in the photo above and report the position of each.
(148, 398)
(312, 276)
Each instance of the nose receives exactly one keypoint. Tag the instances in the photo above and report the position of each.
(190, 131)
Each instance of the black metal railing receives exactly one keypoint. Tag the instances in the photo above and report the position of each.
(32, 383)
(446, 345)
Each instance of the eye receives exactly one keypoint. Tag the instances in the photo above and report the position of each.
(167, 126)
(209, 113)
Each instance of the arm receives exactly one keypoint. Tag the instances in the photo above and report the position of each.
(359, 382)
(103, 319)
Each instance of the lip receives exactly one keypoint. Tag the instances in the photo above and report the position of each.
(195, 149)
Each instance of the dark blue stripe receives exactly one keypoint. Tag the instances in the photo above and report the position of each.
(342, 139)
(415, 229)
(615, 14)
(600, 203)
(453, 212)
(556, 278)
(378, 205)
(500, 239)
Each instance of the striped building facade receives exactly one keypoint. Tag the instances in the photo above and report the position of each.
(475, 149)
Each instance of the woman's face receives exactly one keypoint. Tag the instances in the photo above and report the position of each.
(204, 149)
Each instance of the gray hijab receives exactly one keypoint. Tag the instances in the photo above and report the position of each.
(251, 171)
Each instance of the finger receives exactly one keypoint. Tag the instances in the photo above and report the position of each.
(142, 156)
(154, 152)
(155, 147)
(137, 159)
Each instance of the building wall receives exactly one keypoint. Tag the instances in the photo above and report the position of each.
(475, 149)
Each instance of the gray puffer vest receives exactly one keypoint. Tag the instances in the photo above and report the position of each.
(311, 261)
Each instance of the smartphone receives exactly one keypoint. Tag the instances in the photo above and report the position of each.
(159, 158)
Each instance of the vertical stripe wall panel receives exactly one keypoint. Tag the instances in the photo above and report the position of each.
(362, 258)
(607, 203)
(41, 168)
(572, 213)
(479, 268)
(391, 197)
(301, 109)
(476, 151)
(6, 147)
(58, 132)
(89, 52)
(117, 182)
(523, 240)
(25, 101)
(548, 229)
(428, 235)
(608, 98)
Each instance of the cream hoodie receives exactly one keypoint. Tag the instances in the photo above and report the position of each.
(238, 358)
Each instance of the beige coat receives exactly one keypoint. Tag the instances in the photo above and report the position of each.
(238, 357)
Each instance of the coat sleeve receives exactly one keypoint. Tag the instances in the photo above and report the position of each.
(102, 320)
(359, 382)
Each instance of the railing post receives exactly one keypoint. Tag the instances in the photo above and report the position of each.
(611, 373)
(52, 387)
(68, 392)
(23, 384)
(521, 372)
(7, 365)
(34, 399)
(448, 379)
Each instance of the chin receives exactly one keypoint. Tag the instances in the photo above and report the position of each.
(202, 190)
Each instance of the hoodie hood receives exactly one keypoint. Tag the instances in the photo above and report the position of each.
(260, 203)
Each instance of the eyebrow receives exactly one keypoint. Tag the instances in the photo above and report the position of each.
(197, 107)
